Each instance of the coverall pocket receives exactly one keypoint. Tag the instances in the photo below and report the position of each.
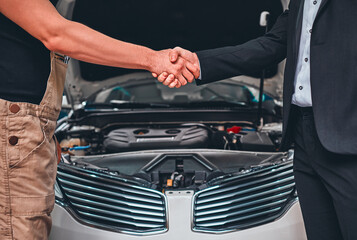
(32, 177)
(33, 134)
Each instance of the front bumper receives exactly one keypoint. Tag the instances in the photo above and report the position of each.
(289, 227)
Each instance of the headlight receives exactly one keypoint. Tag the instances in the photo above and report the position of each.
(58, 192)
(278, 103)
(290, 155)
(295, 193)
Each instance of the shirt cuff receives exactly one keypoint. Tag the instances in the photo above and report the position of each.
(199, 64)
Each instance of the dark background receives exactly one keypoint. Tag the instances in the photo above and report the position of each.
(192, 24)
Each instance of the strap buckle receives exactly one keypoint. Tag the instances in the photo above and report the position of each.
(63, 58)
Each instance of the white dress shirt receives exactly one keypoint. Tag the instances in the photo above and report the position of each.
(302, 94)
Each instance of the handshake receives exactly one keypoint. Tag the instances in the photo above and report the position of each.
(175, 67)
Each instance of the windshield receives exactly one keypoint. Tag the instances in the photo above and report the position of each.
(150, 91)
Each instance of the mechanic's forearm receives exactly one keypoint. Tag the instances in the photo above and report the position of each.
(80, 42)
(41, 20)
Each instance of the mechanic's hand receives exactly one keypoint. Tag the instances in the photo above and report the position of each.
(175, 55)
(181, 70)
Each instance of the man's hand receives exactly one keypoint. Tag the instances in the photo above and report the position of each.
(41, 19)
(176, 55)
(177, 71)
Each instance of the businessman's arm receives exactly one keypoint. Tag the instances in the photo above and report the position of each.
(222, 63)
(41, 20)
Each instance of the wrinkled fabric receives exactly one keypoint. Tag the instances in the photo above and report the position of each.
(28, 161)
(326, 184)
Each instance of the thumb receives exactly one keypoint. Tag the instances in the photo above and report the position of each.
(194, 69)
(174, 54)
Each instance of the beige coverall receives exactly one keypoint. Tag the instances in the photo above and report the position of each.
(28, 161)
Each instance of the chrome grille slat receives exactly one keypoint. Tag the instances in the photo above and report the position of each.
(234, 213)
(127, 197)
(261, 172)
(128, 217)
(247, 204)
(290, 186)
(112, 203)
(86, 181)
(262, 178)
(241, 218)
(142, 225)
(104, 205)
(225, 196)
(129, 204)
(244, 201)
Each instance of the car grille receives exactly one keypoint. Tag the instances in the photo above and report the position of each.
(110, 202)
(245, 200)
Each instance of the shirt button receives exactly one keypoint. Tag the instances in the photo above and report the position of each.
(314, 2)
(301, 87)
(13, 140)
(14, 108)
(306, 59)
(310, 31)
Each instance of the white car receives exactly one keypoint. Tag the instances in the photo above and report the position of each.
(142, 161)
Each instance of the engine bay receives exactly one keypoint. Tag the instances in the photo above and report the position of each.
(170, 156)
(88, 140)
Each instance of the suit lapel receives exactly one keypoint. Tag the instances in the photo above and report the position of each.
(298, 27)
(323, 4)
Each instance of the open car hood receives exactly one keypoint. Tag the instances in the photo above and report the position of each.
(83, 80)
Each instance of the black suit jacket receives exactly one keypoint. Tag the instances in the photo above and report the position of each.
(333, 68)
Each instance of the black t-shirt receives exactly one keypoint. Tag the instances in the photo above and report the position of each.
(24, 64)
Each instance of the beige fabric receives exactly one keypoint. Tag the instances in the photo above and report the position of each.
(27, 161)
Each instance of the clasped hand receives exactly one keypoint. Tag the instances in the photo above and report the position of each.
(176, 67)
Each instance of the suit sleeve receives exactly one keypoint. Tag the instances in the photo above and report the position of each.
(222, 63)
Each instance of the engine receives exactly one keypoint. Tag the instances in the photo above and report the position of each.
(87, 140)
(133, 139)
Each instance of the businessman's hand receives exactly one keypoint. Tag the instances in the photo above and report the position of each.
(177, 70)
(176, 55)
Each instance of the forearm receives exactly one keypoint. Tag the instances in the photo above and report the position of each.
(40, 19)
(80, 42)
(83, 43)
